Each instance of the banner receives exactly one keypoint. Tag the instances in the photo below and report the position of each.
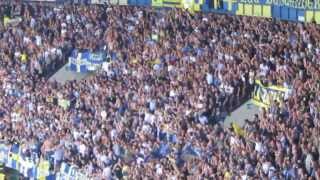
(4, 151)
(11, 21)
(70, 172)
(43, 169)
(42, 0)
(113, 2)
(172, 3)
(99, 1)
(84, 61)
(190, 5)
(97, 57)
(264, 95)
(14, 159)
(27, 167)
(301, 4)
(156, 3)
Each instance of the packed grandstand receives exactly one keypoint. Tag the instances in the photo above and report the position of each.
(153, 112)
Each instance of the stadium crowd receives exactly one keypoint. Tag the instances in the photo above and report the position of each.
(152, 112)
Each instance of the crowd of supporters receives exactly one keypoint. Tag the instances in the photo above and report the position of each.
(153, 111)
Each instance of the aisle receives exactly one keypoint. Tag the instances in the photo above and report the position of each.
(245, 111)
(63, 75)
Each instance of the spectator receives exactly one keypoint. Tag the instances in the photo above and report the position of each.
(151, 112)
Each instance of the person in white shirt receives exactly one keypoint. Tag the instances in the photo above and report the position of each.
(209, 78)
(83, 149)
(107, 173)
(264, 69)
